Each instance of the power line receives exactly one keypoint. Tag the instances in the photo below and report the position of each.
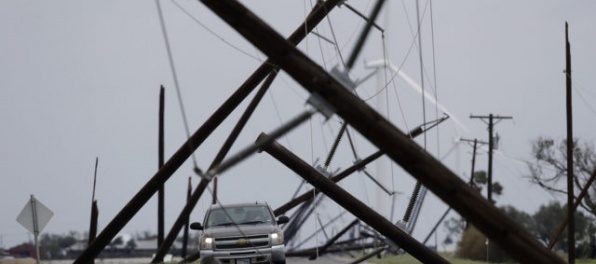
(174, 75)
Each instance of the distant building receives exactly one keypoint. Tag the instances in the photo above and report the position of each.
(25, 250)
(127, 247)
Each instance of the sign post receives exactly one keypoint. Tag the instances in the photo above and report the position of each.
(34, 217)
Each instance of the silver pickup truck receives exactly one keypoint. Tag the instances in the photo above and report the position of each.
(244, 233)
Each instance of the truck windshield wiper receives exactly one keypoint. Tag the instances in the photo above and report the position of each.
(225, 224)
(252, 222)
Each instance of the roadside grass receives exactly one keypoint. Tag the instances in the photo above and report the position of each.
(408, 259)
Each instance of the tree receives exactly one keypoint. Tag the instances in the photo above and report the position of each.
(455, 227)
(549, 168)
(116, 242)
(481, 179)
(520, 217)
(131, 245)
(54, 246)
(548, 218)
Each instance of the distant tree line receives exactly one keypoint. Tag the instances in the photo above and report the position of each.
(56, 246)
(548, 169)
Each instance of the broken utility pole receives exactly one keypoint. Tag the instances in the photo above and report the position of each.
(351, 203)
(380, 132)
(419, 130)
(316, 15)
(322, 250)
(94, 209)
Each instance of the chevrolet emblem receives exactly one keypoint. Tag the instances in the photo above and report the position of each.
(241, 242)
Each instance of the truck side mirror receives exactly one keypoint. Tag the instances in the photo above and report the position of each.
(196, 226)
(282, 220)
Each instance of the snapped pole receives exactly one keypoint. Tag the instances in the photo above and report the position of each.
(351, 203)
(345, 173)
(318, 13)
(379, 131)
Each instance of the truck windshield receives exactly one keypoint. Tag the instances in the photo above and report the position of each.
(252, 214)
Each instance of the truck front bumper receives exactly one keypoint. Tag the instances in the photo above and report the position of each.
(274, 254)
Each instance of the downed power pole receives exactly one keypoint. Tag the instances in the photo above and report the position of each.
(419, 130)
(351, 203)
(317, 14)
(379, 131)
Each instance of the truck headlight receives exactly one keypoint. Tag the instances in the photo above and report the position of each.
(277, 238)
(206, 243)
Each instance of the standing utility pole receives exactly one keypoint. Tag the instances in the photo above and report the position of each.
(570, 210)
(491, 124)
(94, 209)
(475, 147)
(160, 162)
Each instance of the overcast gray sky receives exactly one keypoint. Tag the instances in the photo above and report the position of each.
(81, 80)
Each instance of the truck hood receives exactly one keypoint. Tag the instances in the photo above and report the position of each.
(232, 231)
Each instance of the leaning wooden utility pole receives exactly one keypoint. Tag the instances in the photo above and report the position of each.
(491, 145)
(380, 132)
(317, 14)
(570, 145)
(340, 176)
(578, 200)
(323, 249)
(351, 203)
(223, 151)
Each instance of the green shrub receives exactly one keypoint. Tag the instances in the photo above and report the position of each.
(473, 245)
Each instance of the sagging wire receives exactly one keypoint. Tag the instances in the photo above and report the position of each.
(403, 62)
(581, 95)
(436, 90)
(421, 62)
(175, 76)
(222, 39)
(391, 166)
(341, 59)
(342, 76)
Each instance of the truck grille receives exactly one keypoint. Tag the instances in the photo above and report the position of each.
(245, 242)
